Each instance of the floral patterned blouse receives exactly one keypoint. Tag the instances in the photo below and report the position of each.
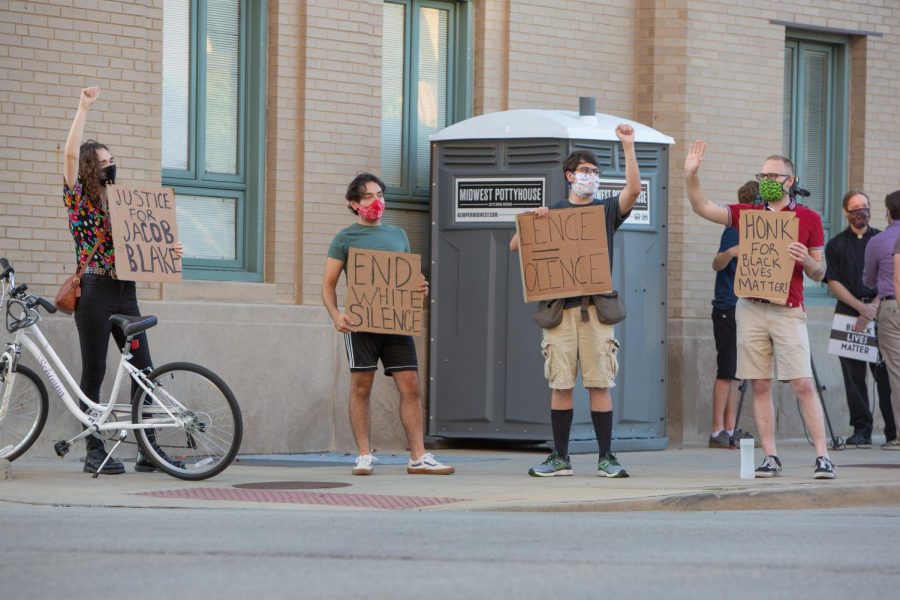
(86, 220)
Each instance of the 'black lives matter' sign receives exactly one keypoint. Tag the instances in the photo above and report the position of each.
(144, 229)
(764, 267)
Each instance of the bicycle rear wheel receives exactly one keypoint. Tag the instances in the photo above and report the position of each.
(24, 415)
(209, 425)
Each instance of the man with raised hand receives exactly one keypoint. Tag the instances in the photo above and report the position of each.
(763, 326)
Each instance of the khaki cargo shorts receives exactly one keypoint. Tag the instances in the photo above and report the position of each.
(588, 343)
(762, 328)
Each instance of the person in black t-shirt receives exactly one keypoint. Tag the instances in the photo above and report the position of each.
(844, 256)
(724, 405)
(580, 339)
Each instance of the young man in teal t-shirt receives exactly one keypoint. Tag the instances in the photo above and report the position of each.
(365, 199)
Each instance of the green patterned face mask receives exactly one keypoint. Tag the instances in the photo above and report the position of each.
(770, 190)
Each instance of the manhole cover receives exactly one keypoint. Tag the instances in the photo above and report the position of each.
(290, 485)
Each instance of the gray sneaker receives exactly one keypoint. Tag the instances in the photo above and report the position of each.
(720, 441)
(609, 466)
(770, 467)
(824, 468)
(891, 445)
(554, 466)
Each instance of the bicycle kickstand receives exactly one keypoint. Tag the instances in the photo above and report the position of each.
(121, 437)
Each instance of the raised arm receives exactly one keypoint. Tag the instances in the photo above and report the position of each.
(629, 194)
(76, 133)
(699, 204)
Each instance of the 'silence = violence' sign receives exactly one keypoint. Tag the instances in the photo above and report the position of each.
(564, 253)
(384, 292)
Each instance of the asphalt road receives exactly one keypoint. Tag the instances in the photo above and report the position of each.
(77, 552)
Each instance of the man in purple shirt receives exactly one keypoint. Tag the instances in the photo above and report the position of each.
(879, 272)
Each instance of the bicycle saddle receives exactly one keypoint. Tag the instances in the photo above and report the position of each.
(133, 325)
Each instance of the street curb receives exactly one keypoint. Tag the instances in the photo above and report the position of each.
(811, 496)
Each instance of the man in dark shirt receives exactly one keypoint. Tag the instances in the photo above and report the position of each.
(844, 256)
(724, 264)
(580, 339)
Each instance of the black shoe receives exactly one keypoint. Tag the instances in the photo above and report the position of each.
(144, 465)
(860, 440)
(94, 458)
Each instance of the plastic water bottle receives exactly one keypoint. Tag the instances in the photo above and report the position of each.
(747, 460)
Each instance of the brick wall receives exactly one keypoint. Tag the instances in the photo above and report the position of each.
(51, 49)
(341, 120)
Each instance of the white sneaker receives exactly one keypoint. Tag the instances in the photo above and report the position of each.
(364, 464)
(428, 465)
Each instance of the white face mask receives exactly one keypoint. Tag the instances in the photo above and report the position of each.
(586, 184)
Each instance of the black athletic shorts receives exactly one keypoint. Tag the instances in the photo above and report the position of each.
(396, 352)
(725, 332)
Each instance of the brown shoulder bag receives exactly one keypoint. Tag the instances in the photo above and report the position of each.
(70, 290)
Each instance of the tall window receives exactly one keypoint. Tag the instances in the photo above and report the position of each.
(425, 87)
(816, 117)
(212, 132)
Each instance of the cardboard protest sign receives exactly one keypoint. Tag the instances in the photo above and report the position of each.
(384, 292)
(861, 345)
(143, 229)
(764, 267)
(564, 253)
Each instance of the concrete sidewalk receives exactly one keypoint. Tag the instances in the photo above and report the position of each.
(691, 478)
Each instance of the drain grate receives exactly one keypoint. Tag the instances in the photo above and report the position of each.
(290, 485)
(300, 497)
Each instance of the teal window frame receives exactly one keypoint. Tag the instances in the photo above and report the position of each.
(459, 86)
(837, 47)
(248, 184)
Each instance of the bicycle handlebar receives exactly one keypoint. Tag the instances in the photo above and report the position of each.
(7, 269)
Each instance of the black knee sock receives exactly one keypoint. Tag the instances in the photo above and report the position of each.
(561, 421)
(603, 422)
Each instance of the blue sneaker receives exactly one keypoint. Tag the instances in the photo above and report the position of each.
(554, 466)
(609, 466)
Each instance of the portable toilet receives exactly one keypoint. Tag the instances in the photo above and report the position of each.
(486, 377)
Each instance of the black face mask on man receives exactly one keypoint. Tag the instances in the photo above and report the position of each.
(108, 175)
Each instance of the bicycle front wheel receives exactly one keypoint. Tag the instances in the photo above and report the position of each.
(23, 415)
(200, 425)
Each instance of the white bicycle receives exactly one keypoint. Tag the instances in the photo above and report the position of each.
(185, 418)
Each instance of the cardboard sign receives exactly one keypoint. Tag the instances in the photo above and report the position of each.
(861, 345)
(143, 229)
(764, 267)
(564, 254)
(384, 292)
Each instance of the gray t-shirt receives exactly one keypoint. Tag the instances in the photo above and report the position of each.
(369, 237)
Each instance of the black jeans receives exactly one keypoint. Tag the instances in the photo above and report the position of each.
(101, 297)
(858, 396)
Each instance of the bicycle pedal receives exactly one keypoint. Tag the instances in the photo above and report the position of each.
(61, 448)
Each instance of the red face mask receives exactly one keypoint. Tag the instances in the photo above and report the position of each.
(373, 211)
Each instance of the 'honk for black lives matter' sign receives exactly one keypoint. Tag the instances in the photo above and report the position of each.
(144, 230)
(564, 253)
(764, 267)
(384, 292)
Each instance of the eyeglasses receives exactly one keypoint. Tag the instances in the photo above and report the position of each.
(858, 212)
(761, 176)
(588, 171)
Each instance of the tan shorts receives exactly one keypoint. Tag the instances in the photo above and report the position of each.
(588, 343)
(762, 328)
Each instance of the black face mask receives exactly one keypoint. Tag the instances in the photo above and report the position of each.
(108, 175)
